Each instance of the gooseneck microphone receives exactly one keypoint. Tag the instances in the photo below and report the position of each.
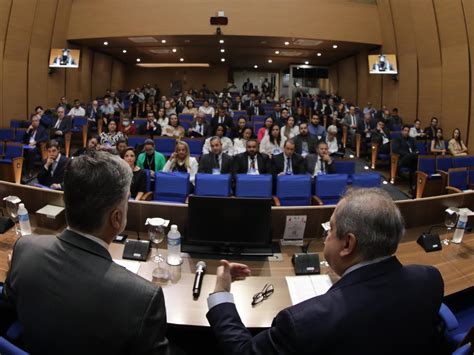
(200, 270)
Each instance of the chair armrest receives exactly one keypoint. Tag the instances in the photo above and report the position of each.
(453, 190)
(148, 196)
(315, 200)
(393, 166)
(421, 178)
(276, 201)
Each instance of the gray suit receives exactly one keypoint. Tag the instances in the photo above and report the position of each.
(71, 298)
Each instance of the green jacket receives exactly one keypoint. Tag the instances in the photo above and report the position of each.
(160, 161)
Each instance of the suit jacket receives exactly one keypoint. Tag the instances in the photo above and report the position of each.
(88, 303)
(90, 113)
(403, 146)
(311, 160)
(380, 306)
(206, 129)
(208, 162)
(430, 132)
(227, 122)
(241, 163)
(41, 135)
(65, 125)
(361, 126)
(44, 176)
(277, 118)
(297, 164)
(255, 111)
(155, 132)
(348, 120)
(235, 106)
(312, 141)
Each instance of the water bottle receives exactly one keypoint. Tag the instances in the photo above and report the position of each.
(24, 220)
(459, 232)
(174, 246)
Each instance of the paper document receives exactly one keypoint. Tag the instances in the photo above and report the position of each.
(130, 265)
(305, 287)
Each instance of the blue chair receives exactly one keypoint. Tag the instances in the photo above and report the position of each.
(366, 180)
(259, 118)
(329, 188)
(293, 190)
(195, 146)
(148, 180)
(7, 134)
(185, 124)
(253, 185)
(8, 348)
(422, 147)
(344, 166)
(444, 162)
(185, 117)
(171, 187)
(257, 126)
(12, 151)
(457, 180)
(453, 333)
(135, 141)
(213, 185)
(463, 162)
(19, 133)
(17, 123)
(139, 122)
(463, 350)
(165, 146)
(80, 125)
(426, 171)
(238, 114)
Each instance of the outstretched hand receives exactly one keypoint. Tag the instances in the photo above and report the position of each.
(227, 273)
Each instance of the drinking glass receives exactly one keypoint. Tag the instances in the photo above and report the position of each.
(12, 203)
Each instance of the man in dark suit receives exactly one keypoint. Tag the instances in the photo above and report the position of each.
(151, 127)
(430, 131)
(199, 127)
(238, 105)
(288, 162)
(61, 125)
(215, 162)
(251, 161)
(256, 109)
(276, 114)
(51, 173)
(34, 135)
(70, 296)
(93, 114)
(223, 118)
(378, 303)
(405, 147)
(364, 128)
(320, 163)
(305, 143)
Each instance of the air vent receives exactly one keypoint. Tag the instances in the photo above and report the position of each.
(307, 42)
(160, 51)
(143, 39)
(291, 53)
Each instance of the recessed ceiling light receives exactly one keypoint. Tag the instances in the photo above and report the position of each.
(221, 41)
(287, 43)
(222, 59)
(334, 46)
(255, 66)
(319, 54)
(106, 43)
(174, 50)
(181, 59)
(124, 51)
(222, 50)
(270, 61)
(163, 41)
(306, 62)
(277, 52)
(298, 68)
(138, 59)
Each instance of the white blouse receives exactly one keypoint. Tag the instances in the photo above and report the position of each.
(293, 133)
(240, 145)
(192, 169)
(270, 148)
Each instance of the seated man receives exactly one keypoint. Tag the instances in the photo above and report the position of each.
(69, 294)
(405, 147)
(151, 159)
(93, 114)
(315, 128)
(216, 162)
(221, 118)
(378, 303)
(61, 125)
(251, 161)
(381, 136)
(77, 110)
(350, 121)
(199, 128)
(34, 135)
(288, 162)
(320, 163)
(151, 127)
(51, 173)
(364, 128)
(305, 143)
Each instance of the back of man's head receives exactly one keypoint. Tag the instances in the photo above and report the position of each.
(94, 185)
(374, 219)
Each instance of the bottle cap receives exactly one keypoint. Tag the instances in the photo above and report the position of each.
(21, 205)
(174, 228)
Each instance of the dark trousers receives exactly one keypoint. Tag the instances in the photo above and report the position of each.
(410, 161)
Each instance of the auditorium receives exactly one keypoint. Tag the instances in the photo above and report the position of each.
(236, 177)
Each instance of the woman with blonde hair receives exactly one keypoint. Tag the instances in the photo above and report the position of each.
(182, 161)
(456, 146)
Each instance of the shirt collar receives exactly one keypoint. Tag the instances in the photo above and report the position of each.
(58, 157)
(90, 237)
(365, 263)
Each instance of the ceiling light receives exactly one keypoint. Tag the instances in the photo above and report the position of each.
(334, 46)
(174, 50)
(124, 51)
(222, 59)
(163, 41)
(221, 41)
(319, 54)
(287, 43)
(306, 62)
(106, 43)
(270, 61)
(255, 66)
(222, 50)
(181, 59)
(277, 52)
(138, 59)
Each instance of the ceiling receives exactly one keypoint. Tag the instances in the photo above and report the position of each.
(239, 51)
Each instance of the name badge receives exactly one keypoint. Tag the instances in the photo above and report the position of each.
(384, 140)
(216, 171)
(252, 172)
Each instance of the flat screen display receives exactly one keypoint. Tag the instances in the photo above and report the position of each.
(240, 226)
(64, 58)
(383, 64)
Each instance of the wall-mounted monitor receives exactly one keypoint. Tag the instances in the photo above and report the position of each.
(64, 58)
(383, 64)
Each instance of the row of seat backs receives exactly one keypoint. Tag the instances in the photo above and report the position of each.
(10, 150)
(430, 164)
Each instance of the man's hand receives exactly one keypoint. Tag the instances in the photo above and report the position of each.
(30, 128)
(49, 162)
(326, 158)
(56, 186)
(58, 133)
(228, 273)
(152, 173)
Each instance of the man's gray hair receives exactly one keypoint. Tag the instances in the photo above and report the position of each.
(214, 138)
(94, 184)
(332, 129)
(375, 220)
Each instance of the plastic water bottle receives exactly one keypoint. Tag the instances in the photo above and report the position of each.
(460, 227)
(174, 246)
(24, 219)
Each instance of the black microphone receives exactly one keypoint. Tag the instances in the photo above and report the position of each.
(200, 270)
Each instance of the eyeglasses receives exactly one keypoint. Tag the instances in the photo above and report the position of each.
(267, 291)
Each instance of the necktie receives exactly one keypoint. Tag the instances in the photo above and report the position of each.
(322, 165)
(256, 110)
(217, 165)
(288, 165)
(199, 128)
(252, 163)
(58, 122)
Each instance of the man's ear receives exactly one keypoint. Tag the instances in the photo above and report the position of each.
(116, 217)
(349, 246)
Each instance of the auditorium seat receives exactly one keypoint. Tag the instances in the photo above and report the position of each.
(185, 117)
(171, 187)
(422, 147)
(11, 163)
(80, 125)
(7, 134)
(165, 146)
(19, 133)
(366, 180)
(136, 141)
(426, 171)
(213, 185)
(453, 333)
(195, 146)
(329, 188)
(259, 118)
(17, 123)
(8, 348)
(253, 185)
(457, 180)
(293, 190)
(463, 161)
(466, 349)
(344, 166)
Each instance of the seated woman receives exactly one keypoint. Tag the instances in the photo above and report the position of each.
(92, 144)
(110, 138)
(334, 147)
(273, 142)
(138, 186)
(227, 145)
(181, 161)
(262, 132)
(290, 130)
(456, 146)
(161, 118)
(173, 129)
(237, 130)
(437, 144)
(240, 144)
(190, 109)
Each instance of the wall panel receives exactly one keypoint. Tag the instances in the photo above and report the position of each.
(85, 70)
(469, 18)
(5, 7)
(348, 79)
(333, 78)
(118, 75)
(362, 79)
(101, 74)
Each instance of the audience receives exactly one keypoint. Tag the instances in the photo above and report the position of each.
(220, 131)
(51, 173)
(222, 118)
(92, 145)
(236, 131)
(138, 184)
(438, 146)
(304, 143)
(276, 114)
(215, 160)
(320, 163)
(334, 146)
(173, 129)
(199, 127)
(456, 146)
(273, 142)
(60, 126)
(289, 130)
(405, 147)
(93, 114)
(34, 135)
(381, 136)
(110, 138)
(430, 131)
(365, 128)
(181, 161)
(315, 128)
(240, 144)
(107, 109)
(77, 110)
(207, 109)
(151, 127)
(350, 121)
(190, 109)
(161, 118)
(263, 131)
(288, 162)
(416, 131)
(150, 159)
(127, 127)
(251, 161)
(255, 109)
